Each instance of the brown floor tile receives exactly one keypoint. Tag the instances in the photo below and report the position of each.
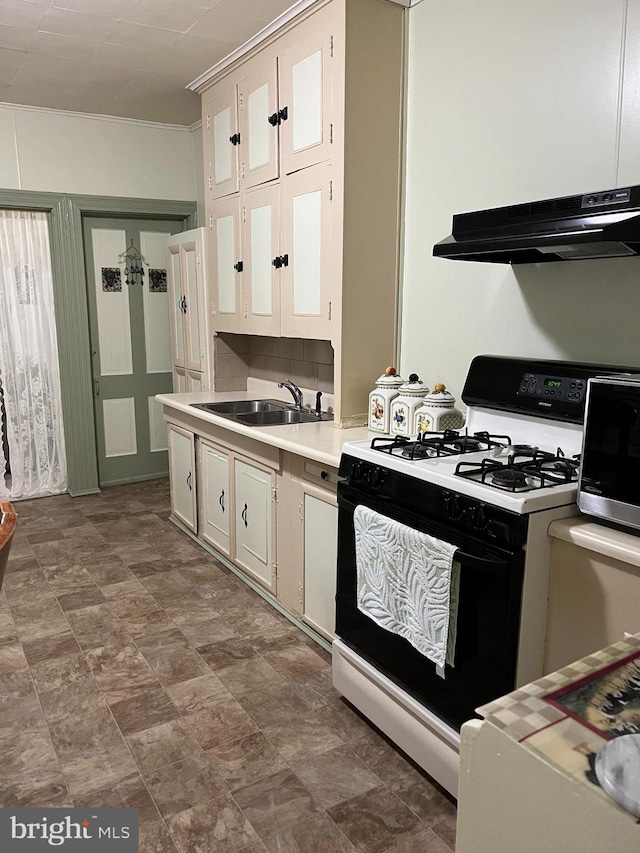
(343, 720)
(316, 688)
(194, 695)
(422, 797)
(302, 737)
(21, 715)
(295, 661)
(253, 674)
(227, 652)
(62, 645)
(84, 596)
(106, 767)
(336, 776)
(144, 709)
(164, 744)
(423, 842)
(273, 705)
(15, 684)
(175, 666)
(96, 626)
(217, 825)
(12, 657)
(148, 623)
(130, 793)
(246, 760)
(273, 640)
(258, 620)
(56, 672)
(72, 700)
(68, 578)
(29, 756)
(76, 736)
(187, 783)
(120, 671)
(107, 570)
(446, 830)
(390, 765)
(155, 838)
(316, 834)
(276, 802)
(375, 820)
(129, 598)
(44, 790)
(150, 568)
(220, 724)
(203, 632)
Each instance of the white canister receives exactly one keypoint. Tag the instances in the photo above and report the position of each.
(437, 412)
(410, 397)
(380, 399)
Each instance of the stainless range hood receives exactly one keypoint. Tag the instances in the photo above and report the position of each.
(603, 224)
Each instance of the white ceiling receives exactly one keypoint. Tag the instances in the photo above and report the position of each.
(130, 58)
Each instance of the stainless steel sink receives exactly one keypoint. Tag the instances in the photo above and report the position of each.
(261, 412)
(237, 407)
(284, 416)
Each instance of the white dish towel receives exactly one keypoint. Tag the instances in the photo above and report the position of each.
(408, 583)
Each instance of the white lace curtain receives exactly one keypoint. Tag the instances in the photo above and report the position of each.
(29, 371)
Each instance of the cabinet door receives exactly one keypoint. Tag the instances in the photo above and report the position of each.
(195, 381)
(176, 309)
(223, 136)
(306, 248)
(182, 473)
(305, 93)
(262, 264)
(226, 264)
(259, 128)
(179, 380)
(214, 496)
(193, 286)
(254, 520)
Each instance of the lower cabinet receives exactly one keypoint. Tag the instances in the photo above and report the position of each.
(308, 550)
(214, 496)
(182, 473)
(273, 514)
(254, 522)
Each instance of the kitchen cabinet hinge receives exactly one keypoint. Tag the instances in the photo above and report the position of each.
(330, 134)
(300, 595)
(197, 259)
(213, 309)
(329, 312)
(274, 494)
(210, 182)
(301, 510)
(211, 221)
(244, 311)
(242, 170)
(330, 190)
(275, 570)
(240, 100)
(331, 46)
(208, 122)
(244, 214)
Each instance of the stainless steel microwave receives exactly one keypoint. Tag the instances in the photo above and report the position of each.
(609, 477)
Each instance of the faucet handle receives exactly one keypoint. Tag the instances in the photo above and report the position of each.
(318, 406)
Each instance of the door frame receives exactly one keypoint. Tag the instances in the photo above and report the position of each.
(71, 308)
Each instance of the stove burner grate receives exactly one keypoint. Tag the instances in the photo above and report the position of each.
(540, 471)
(434, 444)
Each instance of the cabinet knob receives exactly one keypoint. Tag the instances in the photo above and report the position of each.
(324, 475)
(239, 266)
(235, 139)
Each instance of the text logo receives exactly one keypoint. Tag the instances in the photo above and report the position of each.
(68, 829)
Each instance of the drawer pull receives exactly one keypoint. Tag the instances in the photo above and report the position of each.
(221, 500)
(244, 516)
(189, 480)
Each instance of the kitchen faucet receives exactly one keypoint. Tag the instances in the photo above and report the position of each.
(295, 392)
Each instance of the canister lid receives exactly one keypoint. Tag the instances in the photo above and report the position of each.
(440, 396)
(414, 387)
(389, 379)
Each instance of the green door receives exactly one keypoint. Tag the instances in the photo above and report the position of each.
(130, 343)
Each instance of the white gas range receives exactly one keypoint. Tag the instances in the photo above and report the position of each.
(491, 490)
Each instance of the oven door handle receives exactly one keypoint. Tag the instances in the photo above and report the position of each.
(476, 562)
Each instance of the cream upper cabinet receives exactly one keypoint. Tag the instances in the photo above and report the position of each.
(261, 261)
(306, 78)
(306, 253)
(259, 121)
(327, 77)
(221, 139)
(186, 267)
(226, 264)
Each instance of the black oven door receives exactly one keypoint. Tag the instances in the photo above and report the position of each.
(487, 624)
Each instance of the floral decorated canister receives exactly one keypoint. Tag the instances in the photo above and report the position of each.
(437, 412)
(380, 399)
(403, 407)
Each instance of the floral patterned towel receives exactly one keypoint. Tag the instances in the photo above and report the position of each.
(408, 583)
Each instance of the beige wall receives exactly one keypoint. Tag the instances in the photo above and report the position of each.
(509, 101)
(53, 151)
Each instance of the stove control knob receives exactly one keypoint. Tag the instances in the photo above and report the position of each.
(478, 517)
(376, 477)
(357, 472)
(451, 506)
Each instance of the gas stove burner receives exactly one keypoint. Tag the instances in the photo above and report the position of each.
(468, 443)
(419, 450)
(510, 478)
(522, 450)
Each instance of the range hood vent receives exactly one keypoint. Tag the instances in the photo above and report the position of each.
(603, 224)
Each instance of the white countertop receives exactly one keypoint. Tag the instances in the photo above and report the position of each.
(586, 533)
(321, 442)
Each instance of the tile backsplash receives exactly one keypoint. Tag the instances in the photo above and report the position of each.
(308, 363)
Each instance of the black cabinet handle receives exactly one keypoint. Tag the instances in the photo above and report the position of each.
(244, 516)
(221, 500)
(184, 303)
(189, 480)
(285, 260)
(278, 117)
(273, 119)
(277, 262)
(235, 139)
(239, 266)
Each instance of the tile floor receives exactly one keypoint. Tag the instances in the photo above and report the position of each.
(136, 670)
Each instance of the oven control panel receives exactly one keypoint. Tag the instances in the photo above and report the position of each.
(549, 387)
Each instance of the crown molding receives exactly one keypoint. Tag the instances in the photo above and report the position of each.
(98, 117)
